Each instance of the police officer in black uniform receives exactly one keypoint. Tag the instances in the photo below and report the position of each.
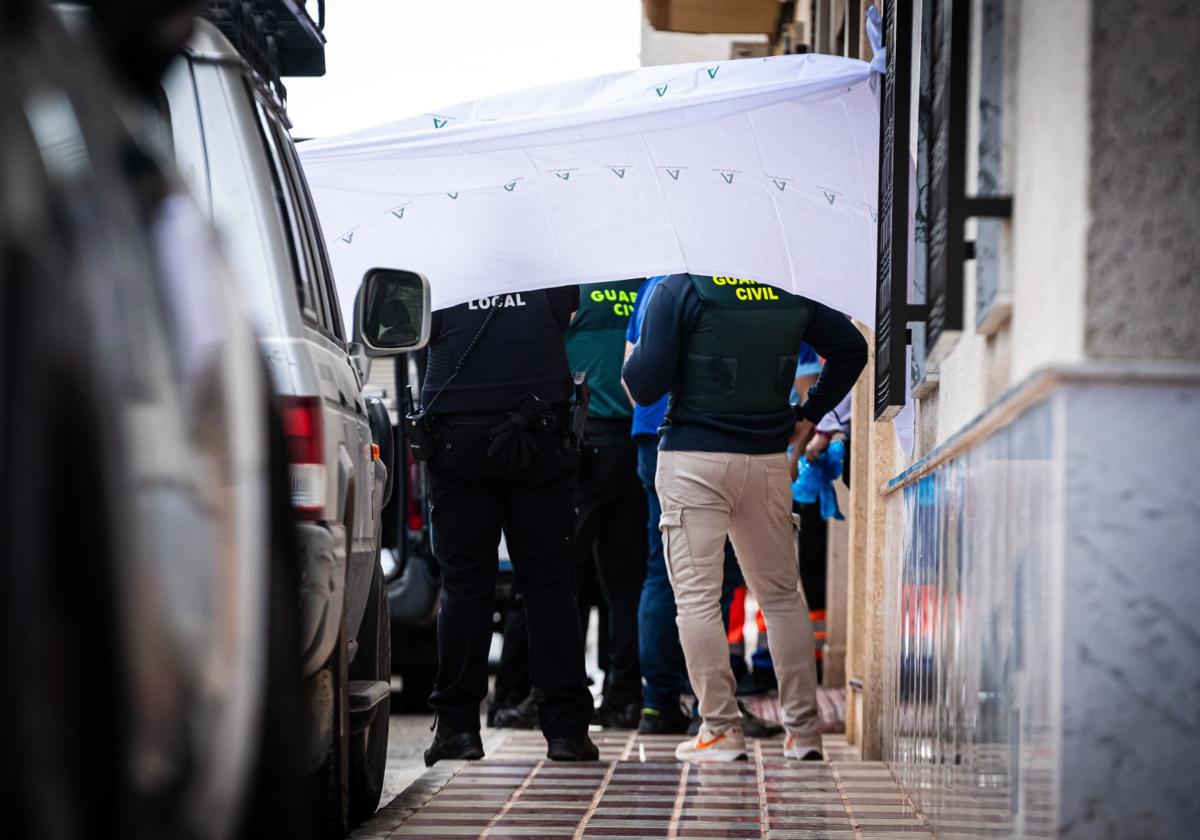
(503, 457)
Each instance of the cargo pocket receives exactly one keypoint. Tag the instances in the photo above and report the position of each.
(675, 546)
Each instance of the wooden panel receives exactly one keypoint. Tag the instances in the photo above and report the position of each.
(713, 16)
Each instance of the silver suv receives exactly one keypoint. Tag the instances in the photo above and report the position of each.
(232, 146)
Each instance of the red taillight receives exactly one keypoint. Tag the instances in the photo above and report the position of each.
(416, 506)
(306, 454)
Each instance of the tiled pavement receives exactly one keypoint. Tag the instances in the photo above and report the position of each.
(638, 790)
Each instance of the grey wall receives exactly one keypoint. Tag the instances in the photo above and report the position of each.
(1143, 285)
(1131, 613)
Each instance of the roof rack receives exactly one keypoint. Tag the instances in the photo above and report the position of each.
(276, 37)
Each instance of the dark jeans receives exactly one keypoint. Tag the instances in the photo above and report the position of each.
(611, 539)
(474, 498)
(663, 667)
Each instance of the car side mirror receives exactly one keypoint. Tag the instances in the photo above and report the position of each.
(391, 312)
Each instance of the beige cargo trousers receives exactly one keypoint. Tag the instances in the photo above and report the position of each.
(706, 496)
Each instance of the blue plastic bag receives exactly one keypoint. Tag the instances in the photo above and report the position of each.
(814, 483)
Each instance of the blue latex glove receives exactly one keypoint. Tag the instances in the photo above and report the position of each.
(814, 483)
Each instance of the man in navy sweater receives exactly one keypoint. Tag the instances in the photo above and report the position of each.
(725, 350)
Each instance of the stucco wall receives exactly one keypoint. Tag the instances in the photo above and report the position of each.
(1050, 164)
(1046, 168)
(1143, 249)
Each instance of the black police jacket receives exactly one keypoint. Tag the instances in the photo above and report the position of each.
(522, 352)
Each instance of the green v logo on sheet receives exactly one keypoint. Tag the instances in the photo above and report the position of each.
(348, 236)
(661, 91)
(566, 176)
(398, 212)
(439, 123)
(510, 186)
(728, 176)
(674, 173)
(712, 71)
(829, 196)
(619, 172)
(453, 195)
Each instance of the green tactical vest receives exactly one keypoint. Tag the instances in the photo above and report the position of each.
(741, 357)
(596, 343)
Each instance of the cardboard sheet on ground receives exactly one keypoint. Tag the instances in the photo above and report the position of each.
(756, 168)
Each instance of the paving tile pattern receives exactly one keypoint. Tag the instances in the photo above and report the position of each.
(638, 790)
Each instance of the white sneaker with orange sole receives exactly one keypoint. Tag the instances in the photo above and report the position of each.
(799, 750)
(708, 745)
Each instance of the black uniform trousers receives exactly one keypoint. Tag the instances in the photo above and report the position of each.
(474, 498)
(611, 538)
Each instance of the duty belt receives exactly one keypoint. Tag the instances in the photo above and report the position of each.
(549, 422)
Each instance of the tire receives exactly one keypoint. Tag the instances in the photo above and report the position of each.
(368, 749)
(329, 786)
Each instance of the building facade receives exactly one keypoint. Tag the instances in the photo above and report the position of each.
(1022, 590)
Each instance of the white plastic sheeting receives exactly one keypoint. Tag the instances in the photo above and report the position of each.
(757, 168)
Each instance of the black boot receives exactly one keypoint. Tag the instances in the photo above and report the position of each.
(618, 716)
(524, 715)
(571, 749)
(459, 746)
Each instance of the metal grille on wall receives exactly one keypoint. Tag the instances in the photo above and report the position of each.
(943, 41)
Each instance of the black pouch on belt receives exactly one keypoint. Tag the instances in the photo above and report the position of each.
(513, 442)
(418, 430)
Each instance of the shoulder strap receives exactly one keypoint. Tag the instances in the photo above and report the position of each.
(462, 360)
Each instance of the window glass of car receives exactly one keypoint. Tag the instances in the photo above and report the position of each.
(249, 236)
(311, 302)
(322, 257)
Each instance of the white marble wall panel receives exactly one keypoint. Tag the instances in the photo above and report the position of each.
(1045, 624)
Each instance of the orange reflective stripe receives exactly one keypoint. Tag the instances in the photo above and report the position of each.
(737, 617)
(762, 622)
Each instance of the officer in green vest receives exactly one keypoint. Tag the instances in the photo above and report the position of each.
(610, 536)
(724, 349)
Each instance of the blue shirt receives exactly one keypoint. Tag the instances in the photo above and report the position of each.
(809, 364)
(646, 418)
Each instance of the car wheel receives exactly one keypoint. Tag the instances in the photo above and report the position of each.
(373, 662)
(330, 784)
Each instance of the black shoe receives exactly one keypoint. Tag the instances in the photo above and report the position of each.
(755, 727)
(756, 682)
(572, 749)
(524, 715)
(623, 716)
(669, 722)
(459, 746)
